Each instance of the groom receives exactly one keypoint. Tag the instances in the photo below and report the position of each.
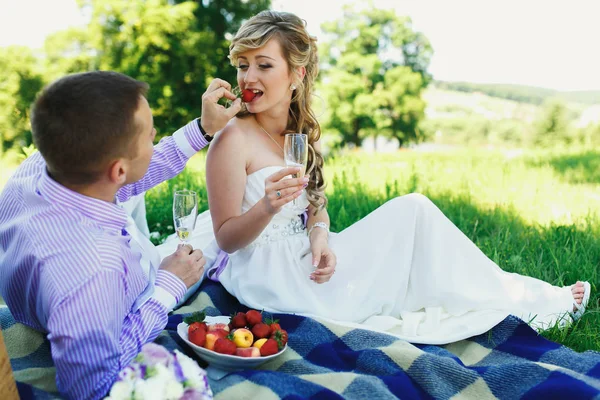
(72, 263)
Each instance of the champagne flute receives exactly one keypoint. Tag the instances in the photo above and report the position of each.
(185, 212)
(295, 153)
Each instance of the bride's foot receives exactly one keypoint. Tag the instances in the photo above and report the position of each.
(581, 295)
(578, 290)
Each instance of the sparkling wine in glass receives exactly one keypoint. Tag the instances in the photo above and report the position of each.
(185, 212)
(295, 153)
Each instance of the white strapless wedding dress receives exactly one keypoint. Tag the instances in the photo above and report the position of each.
(404, 269)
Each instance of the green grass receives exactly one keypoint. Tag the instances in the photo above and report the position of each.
(533, 213)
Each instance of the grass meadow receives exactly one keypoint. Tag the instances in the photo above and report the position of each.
(532, 212)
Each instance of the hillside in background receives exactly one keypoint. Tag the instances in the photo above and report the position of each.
(521, 93)
(510, 118)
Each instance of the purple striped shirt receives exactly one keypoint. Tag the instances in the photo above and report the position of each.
(66, 269)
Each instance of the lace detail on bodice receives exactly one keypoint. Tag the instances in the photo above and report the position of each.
(284, 224)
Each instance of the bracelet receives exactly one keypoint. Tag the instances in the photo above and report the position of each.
(203, 132)
(318, 225)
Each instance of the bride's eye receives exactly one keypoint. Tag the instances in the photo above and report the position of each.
(242, 67)
(265, 66)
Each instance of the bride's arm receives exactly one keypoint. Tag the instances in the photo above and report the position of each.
(322, 215)
(226, 183)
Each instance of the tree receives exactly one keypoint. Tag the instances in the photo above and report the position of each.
(20, 80)
(374, 69)
(177, 47)
(553, 126)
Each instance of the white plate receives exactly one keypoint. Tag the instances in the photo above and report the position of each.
(223, 362)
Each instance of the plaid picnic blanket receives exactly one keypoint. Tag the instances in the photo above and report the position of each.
(325, 361)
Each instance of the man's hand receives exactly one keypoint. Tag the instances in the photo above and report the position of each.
(186, 263)
(214, 115)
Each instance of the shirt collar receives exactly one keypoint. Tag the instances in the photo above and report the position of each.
(108, 215)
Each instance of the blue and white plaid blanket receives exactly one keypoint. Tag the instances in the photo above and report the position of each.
(326, 361)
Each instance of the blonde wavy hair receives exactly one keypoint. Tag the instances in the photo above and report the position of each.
(299, 50)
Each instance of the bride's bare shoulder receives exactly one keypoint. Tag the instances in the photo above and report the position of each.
(234, 134)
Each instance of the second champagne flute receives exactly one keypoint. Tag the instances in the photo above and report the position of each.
(185, 212)
(295, 153)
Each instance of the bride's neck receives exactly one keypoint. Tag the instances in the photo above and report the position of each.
(275, 125)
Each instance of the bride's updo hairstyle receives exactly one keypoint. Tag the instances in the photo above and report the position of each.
(299, 50)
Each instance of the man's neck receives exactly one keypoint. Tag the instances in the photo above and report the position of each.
(98, 190)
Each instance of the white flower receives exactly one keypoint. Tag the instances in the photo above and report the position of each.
(173, 390)
(191, 370)
(121, 390)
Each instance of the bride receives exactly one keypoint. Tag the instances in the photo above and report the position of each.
(404, 269)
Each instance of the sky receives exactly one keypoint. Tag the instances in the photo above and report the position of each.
(547, 43)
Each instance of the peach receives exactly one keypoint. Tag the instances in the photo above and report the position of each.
(211, 338)
(243, 338)
(248, 352)
(214, 327)
(258, 344)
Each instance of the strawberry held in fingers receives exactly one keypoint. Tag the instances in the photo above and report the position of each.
(247, 95)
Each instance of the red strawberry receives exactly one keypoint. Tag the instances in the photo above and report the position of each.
(269, 348)
(198, 337)
(247, 95)
(261, 331)
(273, 324)
(225, 345)
(253, 317)
(195, 321)
(238, 320)
(281, 336)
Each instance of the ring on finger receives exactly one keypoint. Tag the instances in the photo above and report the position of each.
(278, 194)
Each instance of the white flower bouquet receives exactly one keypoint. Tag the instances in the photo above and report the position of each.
(159, 374)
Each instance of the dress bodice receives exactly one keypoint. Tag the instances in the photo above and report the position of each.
(287, 222)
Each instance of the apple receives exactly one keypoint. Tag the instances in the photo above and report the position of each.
(214, 327)
(258, 344)
(243, 338)
(248, 352)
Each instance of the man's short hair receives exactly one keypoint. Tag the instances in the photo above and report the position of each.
(83, 121)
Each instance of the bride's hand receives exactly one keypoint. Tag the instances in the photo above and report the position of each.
(280, 190)
(324, 260)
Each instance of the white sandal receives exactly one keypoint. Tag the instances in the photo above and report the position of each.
(581, 307)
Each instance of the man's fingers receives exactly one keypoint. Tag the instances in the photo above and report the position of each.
(185, 248)
(235, 108)
(197, 255)
(216, 84)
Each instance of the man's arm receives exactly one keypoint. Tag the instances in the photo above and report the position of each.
(169, 158)
(93, 333)
(173, 152)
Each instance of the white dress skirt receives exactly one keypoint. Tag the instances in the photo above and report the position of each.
(404, 269)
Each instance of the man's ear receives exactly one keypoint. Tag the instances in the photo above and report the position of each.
(117, 172)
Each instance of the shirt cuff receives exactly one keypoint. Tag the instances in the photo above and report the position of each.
(189, 139)
(168, 289)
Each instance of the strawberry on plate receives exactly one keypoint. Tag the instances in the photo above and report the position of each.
(269, 348)
(238, 320)
(273, 324)
(261, 331)
(253, 317)
(225, 345)
(281, 336)
(196, 321)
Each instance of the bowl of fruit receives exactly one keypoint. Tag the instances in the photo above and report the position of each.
(241, 341)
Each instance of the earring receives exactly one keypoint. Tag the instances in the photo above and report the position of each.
(292, 87)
